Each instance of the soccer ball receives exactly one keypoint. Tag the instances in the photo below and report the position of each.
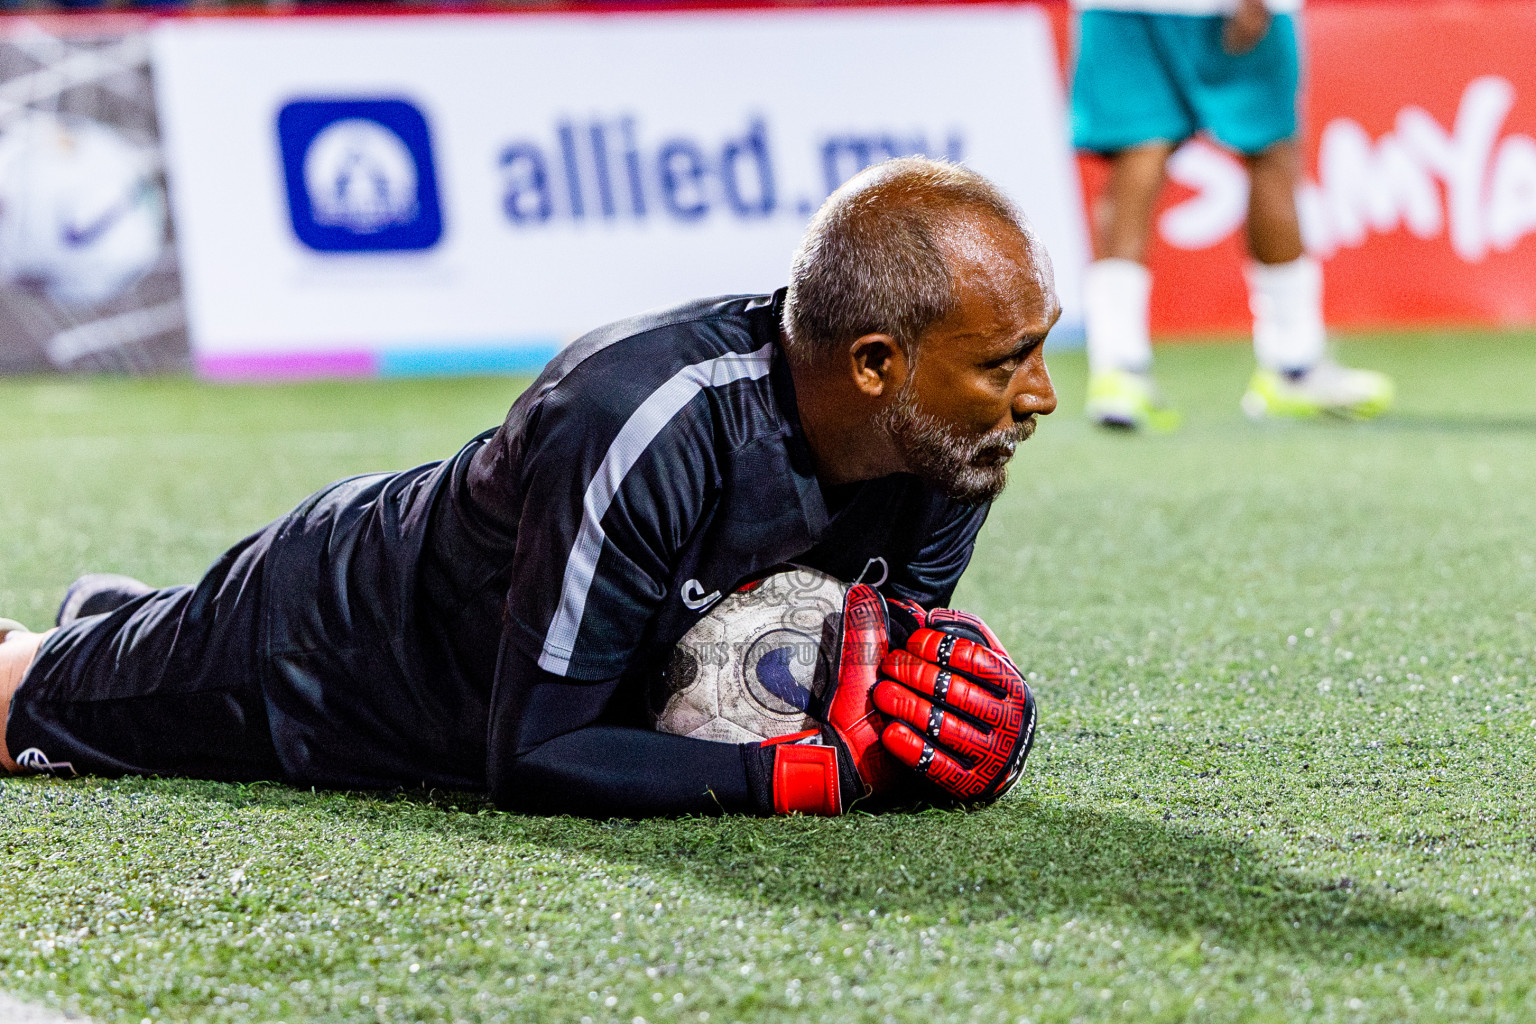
(758, 664)
(82, 216)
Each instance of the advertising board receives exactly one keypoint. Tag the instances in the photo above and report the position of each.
(438, 194)
(468, 192)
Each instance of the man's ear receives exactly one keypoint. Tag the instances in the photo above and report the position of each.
(877, 363)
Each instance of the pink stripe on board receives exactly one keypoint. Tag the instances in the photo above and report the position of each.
(288, 365)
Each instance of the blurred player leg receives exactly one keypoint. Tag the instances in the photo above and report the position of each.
(1125, 104)
(1295, 377)
(1118, 291)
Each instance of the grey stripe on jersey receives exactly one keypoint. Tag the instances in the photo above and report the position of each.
(633, 438)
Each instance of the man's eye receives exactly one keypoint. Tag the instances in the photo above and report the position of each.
(1011, 363)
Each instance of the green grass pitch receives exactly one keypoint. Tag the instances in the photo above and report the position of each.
(1284, 768)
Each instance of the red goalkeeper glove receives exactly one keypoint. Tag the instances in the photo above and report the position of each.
(962, 714)
(824, 771)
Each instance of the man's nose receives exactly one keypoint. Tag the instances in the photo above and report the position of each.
(1036, 395)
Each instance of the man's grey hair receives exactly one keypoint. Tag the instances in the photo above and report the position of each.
(872, 260)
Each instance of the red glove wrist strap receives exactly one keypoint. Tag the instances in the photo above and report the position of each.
(805, 780)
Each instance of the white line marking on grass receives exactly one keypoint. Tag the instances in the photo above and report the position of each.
(13, 1011)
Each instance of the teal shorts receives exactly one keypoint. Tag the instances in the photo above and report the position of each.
(1163, 77)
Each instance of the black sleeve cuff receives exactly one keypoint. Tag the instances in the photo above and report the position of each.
(757, 758)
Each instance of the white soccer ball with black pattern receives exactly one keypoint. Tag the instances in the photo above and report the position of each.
(757, 664)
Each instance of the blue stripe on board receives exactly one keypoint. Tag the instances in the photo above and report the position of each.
(528, 357)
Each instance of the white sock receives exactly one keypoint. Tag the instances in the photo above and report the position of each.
(1116, 296)
(1287, 304)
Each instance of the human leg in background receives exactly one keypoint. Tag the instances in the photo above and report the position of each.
(1118, 290)
(1295, 377)
(1127, 104)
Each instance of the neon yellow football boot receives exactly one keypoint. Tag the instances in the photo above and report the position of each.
(1125, 400)
(1327, 389)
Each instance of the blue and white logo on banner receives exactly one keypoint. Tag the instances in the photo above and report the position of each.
(359, 175)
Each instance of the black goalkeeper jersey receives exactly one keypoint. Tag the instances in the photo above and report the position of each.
(491, 621)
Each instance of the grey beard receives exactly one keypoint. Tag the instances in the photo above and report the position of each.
(969, 469)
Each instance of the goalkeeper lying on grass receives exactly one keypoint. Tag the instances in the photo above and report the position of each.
(495, 621)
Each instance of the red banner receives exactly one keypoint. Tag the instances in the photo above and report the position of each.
(1421, 190)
